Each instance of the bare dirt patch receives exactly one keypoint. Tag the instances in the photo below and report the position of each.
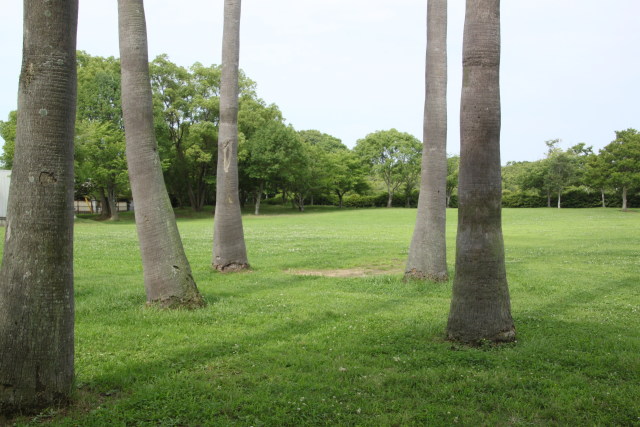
(348, 272)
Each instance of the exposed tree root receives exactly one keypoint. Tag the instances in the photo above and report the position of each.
(231, 268)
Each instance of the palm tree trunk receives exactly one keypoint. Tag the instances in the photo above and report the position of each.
(229, 250)
(167, 274)
(428, 250)
(36, 277)
(480, 305)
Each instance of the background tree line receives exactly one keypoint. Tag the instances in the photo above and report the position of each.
(577, 177)
(278, 164)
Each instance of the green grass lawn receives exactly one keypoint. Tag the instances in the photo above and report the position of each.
(282, 349)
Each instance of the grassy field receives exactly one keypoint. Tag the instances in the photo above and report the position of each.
(276, 347)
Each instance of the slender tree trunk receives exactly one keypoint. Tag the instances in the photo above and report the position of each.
(340, 195)
(428, 250)
(36, 277)
(229, 250)
(480, 305)
(548, 198)
(113, 203)
(559, 198)
(258, 198)
(390, 199)
(167, 274)
(624, 198)
(604, 204)
(105, 210)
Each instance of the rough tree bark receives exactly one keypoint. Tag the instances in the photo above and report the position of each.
(229, 250)
(428, 250)
(480, 305)
(36, 278)
(167, 274)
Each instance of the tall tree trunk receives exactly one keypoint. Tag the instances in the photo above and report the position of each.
(167, 274)
(548, 198)
(390, 200)
(428, 250)
(624, 198)
(604, 204)
(229, 250)
(36, 277)
(480, 305)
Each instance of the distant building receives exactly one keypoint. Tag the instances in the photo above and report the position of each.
(5, 177)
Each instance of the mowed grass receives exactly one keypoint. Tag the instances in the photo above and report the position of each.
(279, 349)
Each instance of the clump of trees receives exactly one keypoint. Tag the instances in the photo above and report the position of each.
(577, 177)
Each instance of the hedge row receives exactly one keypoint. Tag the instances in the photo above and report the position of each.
(571, 198)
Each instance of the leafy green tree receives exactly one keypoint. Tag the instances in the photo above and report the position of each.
(410, 158)
(273, 157)
(326, 142)
(387, 153)
(621, 162)
(36, 277)
(173, 93)
(99, 89)
(596, 175)
(100, 146)
(562, 168)
(8, 133)
(332, 166)
(347, 174)
(480, 303)
(187, 111)
(100, 155)
(453, 171)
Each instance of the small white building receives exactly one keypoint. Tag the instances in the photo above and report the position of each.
(5, 177)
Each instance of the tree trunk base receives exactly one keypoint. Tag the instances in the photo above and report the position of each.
(231, 268)
(189, 303)
(415, 274)
(501, 337)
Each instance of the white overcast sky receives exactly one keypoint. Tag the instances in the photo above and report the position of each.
(570, 68)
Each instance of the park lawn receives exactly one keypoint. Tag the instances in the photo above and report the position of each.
(278, 348)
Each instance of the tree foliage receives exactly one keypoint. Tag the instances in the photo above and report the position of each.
(392, 156)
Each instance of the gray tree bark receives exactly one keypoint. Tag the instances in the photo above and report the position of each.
(167, 274)
(36, 278)
(480, 305)
(428, 250)
(229, 250)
